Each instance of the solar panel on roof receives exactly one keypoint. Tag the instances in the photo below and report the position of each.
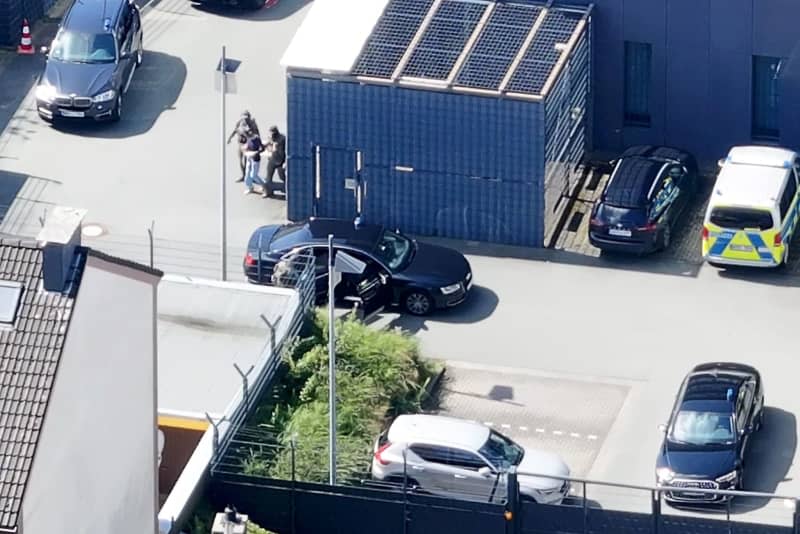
(391, 37)
(542, 55)
(497, 46)
(444, 39)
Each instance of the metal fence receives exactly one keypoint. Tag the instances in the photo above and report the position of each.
(295, 504)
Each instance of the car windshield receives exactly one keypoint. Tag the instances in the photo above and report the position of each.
(79, 47)
(501, 451)
(702, 428)
(630, 185)
(394, 250)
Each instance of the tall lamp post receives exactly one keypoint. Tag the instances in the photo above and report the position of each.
(225, 83)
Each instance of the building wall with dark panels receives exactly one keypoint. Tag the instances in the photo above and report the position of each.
(477, 162)
(10, 22)
(701, 90)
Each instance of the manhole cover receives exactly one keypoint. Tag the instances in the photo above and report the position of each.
(92, 230)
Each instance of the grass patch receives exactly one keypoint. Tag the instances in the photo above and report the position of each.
(379, 374)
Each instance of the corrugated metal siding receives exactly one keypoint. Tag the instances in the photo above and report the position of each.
(566, 118)
(478, 162)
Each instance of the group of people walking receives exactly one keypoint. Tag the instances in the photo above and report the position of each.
(251, 147)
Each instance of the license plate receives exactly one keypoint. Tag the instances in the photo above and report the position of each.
(68, 113)
(742, 248)
(619, 232)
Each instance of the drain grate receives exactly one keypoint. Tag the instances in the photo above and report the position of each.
(575, 222)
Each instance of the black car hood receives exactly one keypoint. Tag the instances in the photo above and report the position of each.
(437, 265)
(694, 461)
(80, 79)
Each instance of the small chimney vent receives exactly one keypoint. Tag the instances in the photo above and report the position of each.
(59, 238)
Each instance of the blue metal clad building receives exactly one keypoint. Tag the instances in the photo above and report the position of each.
(454, 118)
(700, 74)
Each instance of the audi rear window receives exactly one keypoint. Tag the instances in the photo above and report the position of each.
(741, 218)
(632, 180)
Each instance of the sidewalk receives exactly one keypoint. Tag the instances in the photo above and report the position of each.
(18, 73)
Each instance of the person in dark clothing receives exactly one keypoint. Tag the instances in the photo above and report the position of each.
(277, 157)
(252, 151)
(245, 124)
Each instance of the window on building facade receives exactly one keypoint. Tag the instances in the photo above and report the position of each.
(638, 60)
(765, 97)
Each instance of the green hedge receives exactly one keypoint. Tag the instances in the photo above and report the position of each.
(379, 374)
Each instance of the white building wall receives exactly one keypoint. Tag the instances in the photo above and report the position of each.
(95, 469)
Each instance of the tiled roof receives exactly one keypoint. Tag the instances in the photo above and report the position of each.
(29, 355)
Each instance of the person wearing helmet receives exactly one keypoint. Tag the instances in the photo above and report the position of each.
(245, 123)
(277, 157)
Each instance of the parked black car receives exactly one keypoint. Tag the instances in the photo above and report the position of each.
(91, 61)
(718, 409)
(418, 277)
(644, 199)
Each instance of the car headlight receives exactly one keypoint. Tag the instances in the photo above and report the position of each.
(105, 96)
(728, 477)
(449, 290)
(46, 92)
(664, 474)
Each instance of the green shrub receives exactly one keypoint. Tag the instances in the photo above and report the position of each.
(379, 374)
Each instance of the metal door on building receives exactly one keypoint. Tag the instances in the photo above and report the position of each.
(337, 187)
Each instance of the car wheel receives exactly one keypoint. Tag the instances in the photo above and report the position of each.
(417, 302)
(666, 237)
(140, 53)
(116, 115)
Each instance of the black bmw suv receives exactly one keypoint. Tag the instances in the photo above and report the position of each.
(718, 409)
(418, 277)
(91, 61)
(644, 198)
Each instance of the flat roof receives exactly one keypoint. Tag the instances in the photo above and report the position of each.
(748, 185)
(492, 47)
(204, 328)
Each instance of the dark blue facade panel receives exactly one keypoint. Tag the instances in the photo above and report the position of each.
(701, 75)
(435, 163)
(687, 76)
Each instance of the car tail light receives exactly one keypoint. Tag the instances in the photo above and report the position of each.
(778, 239)
(649, 227)
(595, 221)
(380, 450)
(249, 260)
(705, 233)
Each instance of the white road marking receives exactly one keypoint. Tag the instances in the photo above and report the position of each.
(524, 428)
(557, 432)
(574, 434)
(540, 430)
(488, 423)
(591, 436)
(505, 425)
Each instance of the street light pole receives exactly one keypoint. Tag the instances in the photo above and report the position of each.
(331, 368)
(223, 180)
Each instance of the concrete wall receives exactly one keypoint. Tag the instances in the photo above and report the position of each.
(701, 70)
(95, 468)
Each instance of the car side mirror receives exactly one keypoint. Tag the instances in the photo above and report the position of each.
(45, 51)
(662, 428)
(485, 472)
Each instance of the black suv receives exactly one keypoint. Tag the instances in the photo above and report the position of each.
(717, 410)
(647, 193)
(91, 61)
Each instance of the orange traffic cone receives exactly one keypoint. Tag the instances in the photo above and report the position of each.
(25, 42)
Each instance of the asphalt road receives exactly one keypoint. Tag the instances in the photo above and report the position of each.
(642, 325)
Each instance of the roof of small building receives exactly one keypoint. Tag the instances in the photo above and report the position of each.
(493, 47)
(30, 354)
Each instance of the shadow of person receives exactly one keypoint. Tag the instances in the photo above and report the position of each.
(154, 89)
(480, 304)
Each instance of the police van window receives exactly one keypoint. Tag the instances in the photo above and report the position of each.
(788, 196)
(741, 218)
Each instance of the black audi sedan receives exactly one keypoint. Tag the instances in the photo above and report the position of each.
(718, 409)
(418, 277)
(644, 199)
(91, 61)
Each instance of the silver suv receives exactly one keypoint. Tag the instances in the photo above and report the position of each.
(464, 459)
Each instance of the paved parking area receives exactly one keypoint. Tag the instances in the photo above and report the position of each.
(686, 242)
(567, 416)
